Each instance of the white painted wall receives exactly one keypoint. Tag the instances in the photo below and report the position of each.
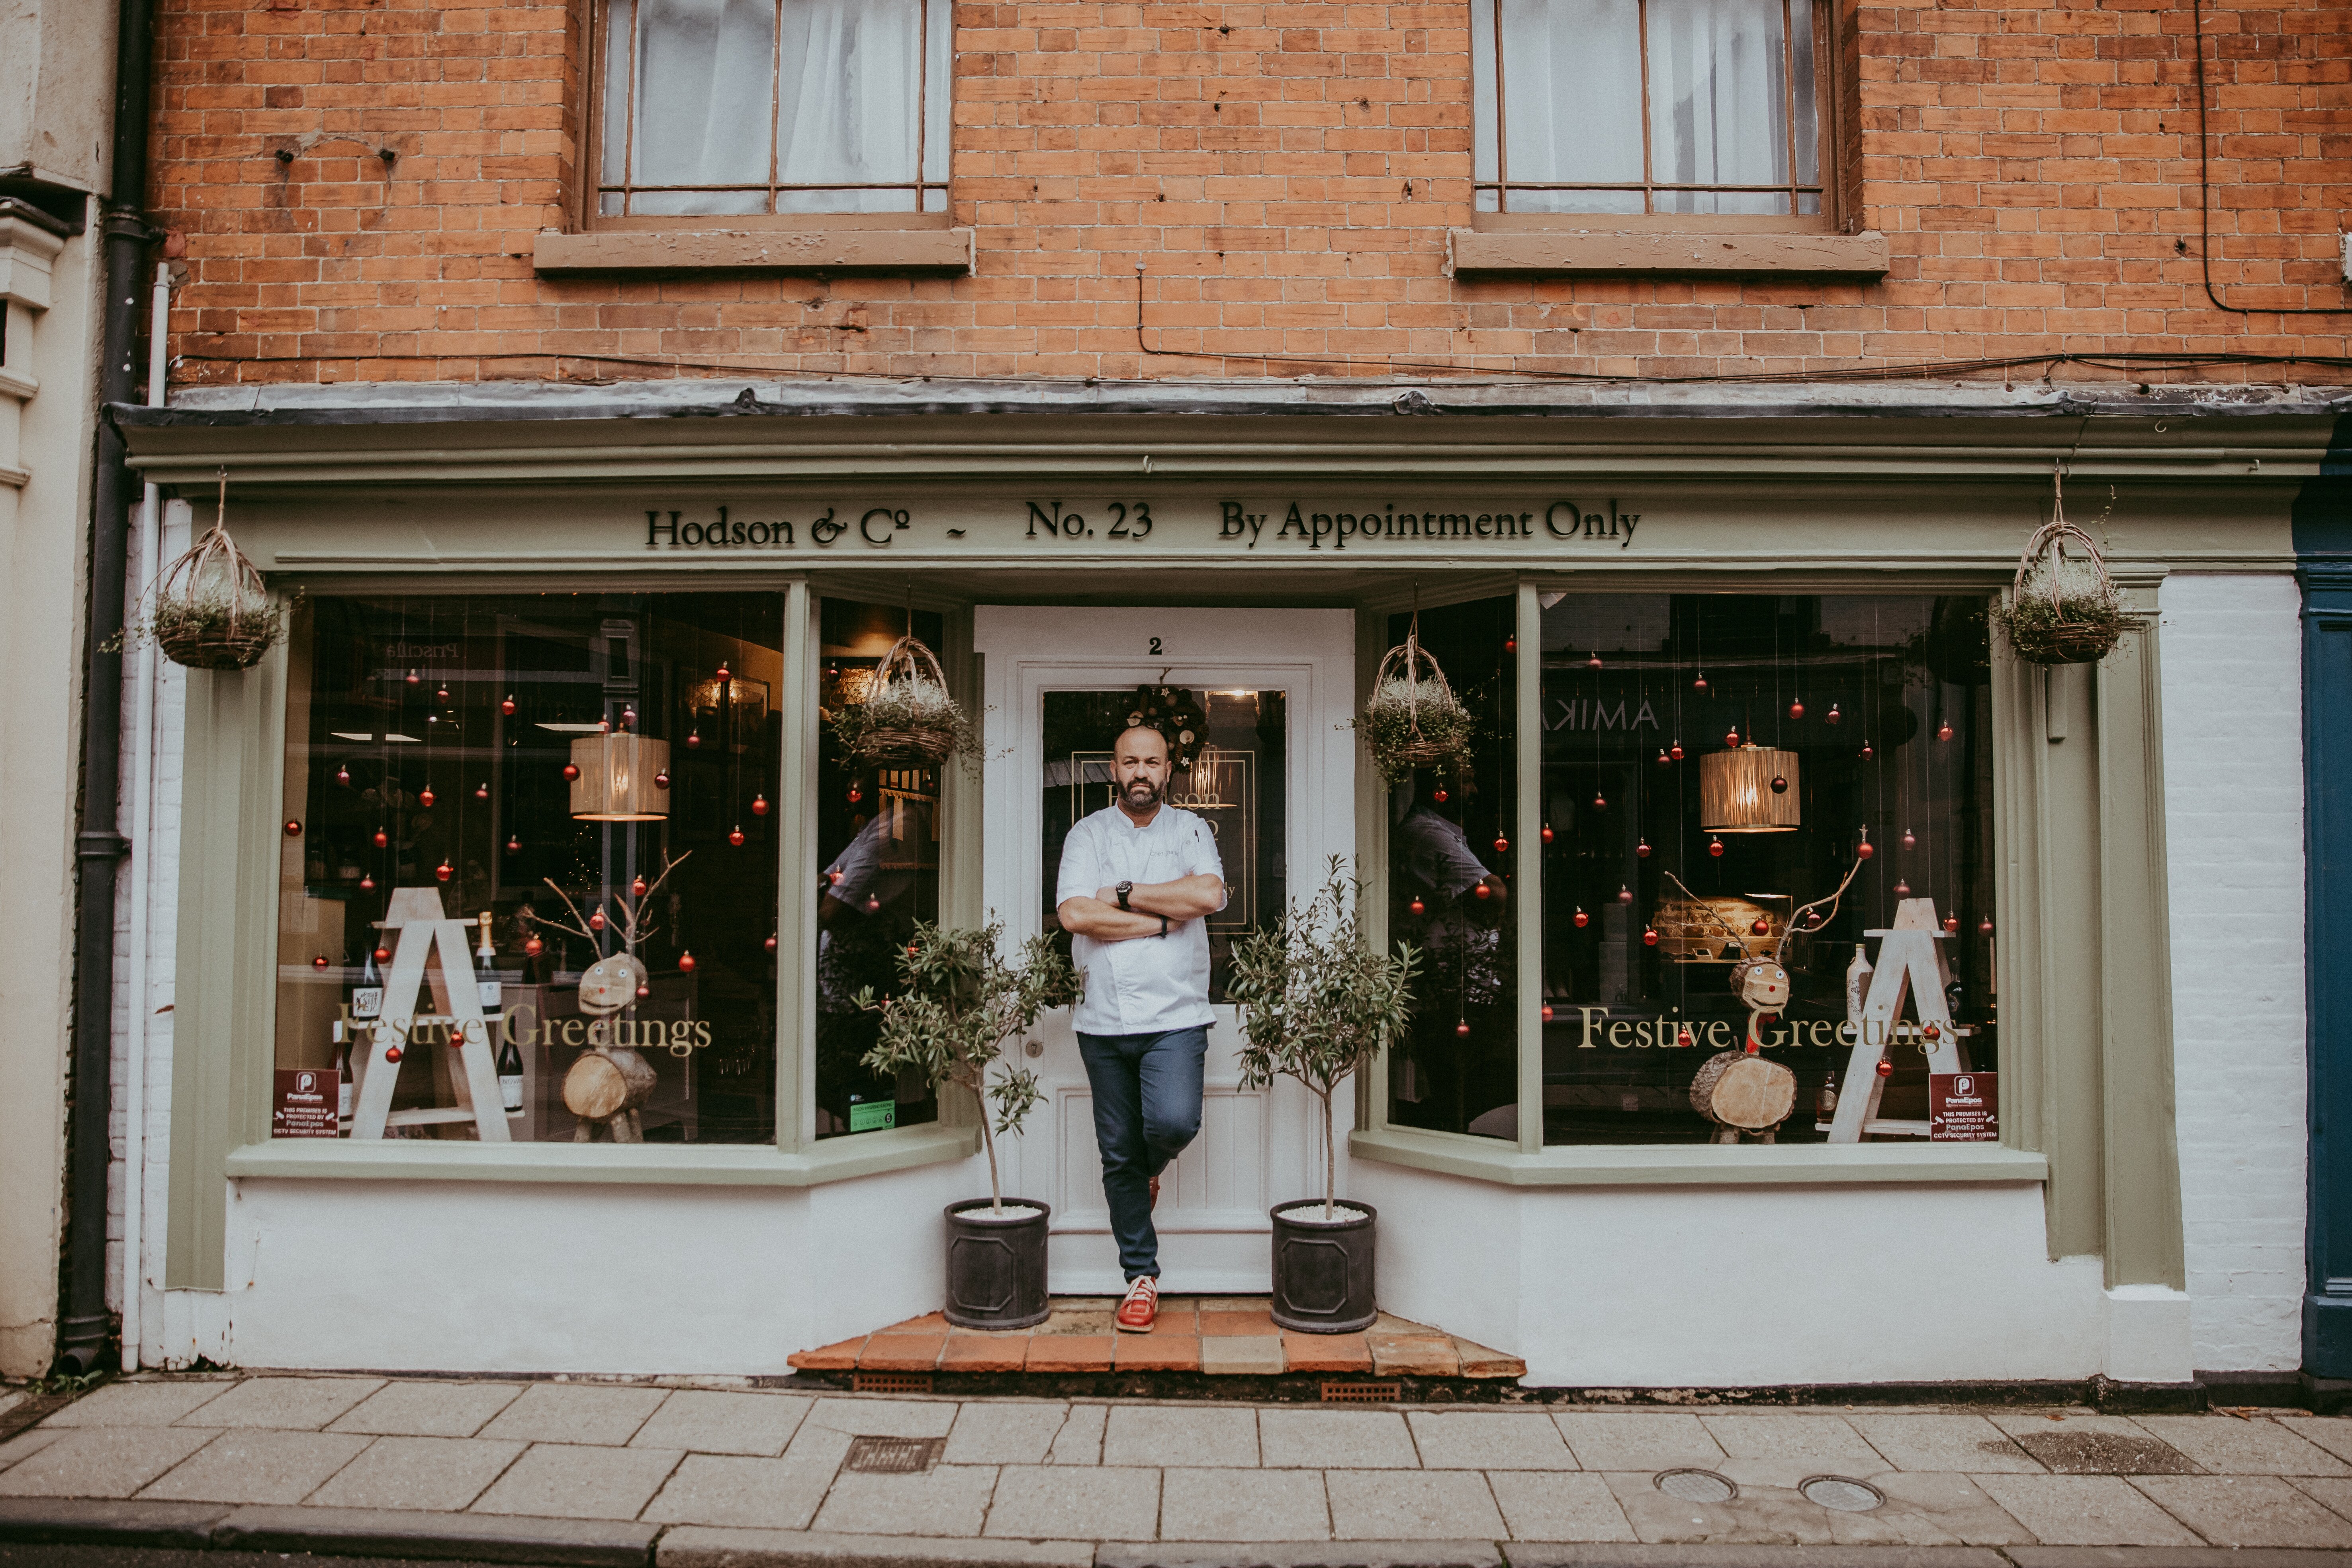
(2232, 677)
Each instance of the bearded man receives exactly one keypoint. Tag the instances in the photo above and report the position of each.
(1138, 879)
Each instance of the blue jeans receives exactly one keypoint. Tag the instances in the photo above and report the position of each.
(1147, 1108)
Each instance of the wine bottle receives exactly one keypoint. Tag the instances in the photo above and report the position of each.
(367, 998)
(343, 1072)
(485, 974)
(511, 1077)
(1857, 985)
(1825, 1102)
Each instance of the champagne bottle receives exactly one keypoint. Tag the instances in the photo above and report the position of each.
(485, 974)
(511, 1077)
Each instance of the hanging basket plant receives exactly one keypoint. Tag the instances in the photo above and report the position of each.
(2061, 608)
(1413, 719)
(211, 608)
(908, 715)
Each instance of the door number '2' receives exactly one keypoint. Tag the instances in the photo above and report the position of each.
(1155, 646)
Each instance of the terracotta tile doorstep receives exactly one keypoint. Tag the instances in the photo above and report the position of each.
(984, 1353)
(1070, 1352)
(838, 1357)
(901, 1353)
(1159, 1350)
(1216, 1322)
(1413, 1355)
(928, 1323)
(1477, 1361)
(1326, 1352)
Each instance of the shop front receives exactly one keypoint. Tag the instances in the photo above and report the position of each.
(535, 921)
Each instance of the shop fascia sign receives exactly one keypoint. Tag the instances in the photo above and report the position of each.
(1309, 525)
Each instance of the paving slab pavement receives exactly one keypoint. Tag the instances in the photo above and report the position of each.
(736, 1476)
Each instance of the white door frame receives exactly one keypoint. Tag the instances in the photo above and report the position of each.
(1210, 1224)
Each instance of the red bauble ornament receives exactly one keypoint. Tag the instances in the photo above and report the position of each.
(1547, 832)
(383, 955)
(1760, 926)
(343, 776)
(1502, 845)
(391, 1053)
(1779, 785)
(1944, 731)
(1594, 662)
(1642, 849)
(1581, 918)
(1951, 923)
(637, 888)
(382, 839)
(772, 942)
(1484, 890)
(367, 884)
(442, 695)
(1885, 1067)
(628, 717)
(1417, 907)
(1685, 1039)
(570, 772)
(1797, 709)
(736, 836)
(1714, 848)
(855, 795)
(1731, 736)
(1832, 716)
(1902, 888)
(873, 902)
(293, 829)
(1664, 760)
(1865, 849)
(1625, 894)
(1649, 936)
(414, 679)
(1510, 645)
(1933, 1031)
(442, 871)
(1463, 1027)
(1547, 1012)
(533, 947)
(513, 845)
(1866, 752)
(912, 951)
(596, 919)
(1908, 841)
(759, 805)
(1984, 927)
(643, 991)
(1700, 684)
(661, 779)
(1676, 750)
(425, 797)
(319, 962)
(693, 739)
(604, 726)
(508, 707)
(1600, 800)
(1438, 794)
(724, 673)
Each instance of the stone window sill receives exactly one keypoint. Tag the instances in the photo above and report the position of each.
(645, 1165)
(1698, 1165)
(555, 254)
(1618, 253)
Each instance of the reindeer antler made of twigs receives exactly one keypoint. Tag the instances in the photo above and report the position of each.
(1733, 931)
(632, 927)
(1799, 911)
(581, 928)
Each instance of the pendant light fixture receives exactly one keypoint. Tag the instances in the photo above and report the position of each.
(1751, 789)
(615, 778)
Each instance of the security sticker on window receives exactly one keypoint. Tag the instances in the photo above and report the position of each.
(1963, 1107)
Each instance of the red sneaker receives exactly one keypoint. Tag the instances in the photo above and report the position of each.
(1141, 1307)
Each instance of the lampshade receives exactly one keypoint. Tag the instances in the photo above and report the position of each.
(616, 778)
(1736, 793)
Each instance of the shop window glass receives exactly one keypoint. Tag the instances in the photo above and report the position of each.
(878, 848)
(568, 778)
(1874, 713)
(1452, 894)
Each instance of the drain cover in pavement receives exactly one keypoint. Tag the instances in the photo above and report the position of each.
(2105, 1454)
(1695, 1486)
(893, 1455)
(1842, 1493)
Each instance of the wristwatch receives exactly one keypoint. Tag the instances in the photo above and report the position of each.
(1122, 891)
(1163, 925)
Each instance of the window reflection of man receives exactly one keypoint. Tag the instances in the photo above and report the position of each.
(868, 902)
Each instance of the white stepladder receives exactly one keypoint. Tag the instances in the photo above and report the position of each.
(1910, 967)
(428, 947)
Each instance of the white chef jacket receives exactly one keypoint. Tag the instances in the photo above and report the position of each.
(1150, 985)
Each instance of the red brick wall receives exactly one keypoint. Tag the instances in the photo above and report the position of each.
(1287, 172)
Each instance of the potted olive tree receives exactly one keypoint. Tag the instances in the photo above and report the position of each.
(1317, 998)
(960, 1003)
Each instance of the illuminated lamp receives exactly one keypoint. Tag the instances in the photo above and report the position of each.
(616, 778)
(1736, 793)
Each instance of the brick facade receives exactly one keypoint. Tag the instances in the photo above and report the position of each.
(1285, 172)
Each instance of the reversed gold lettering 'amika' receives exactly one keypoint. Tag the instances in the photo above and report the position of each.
(678, 1036)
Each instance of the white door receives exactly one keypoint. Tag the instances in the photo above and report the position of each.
(1277, 781)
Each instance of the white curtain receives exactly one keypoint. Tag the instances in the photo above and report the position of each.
(849, 109)
(1718, 108)
(705, 78)
(1571, 101)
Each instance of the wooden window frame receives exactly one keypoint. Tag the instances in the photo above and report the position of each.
(587, 215)
(1829, 113)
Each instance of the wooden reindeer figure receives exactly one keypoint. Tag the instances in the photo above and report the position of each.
(609, 1081)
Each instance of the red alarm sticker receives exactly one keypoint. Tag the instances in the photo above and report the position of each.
(1963, 1107)
(305, 1103)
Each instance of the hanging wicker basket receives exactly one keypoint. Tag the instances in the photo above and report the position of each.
(908, 715)
(211, 610)
(1413, 719)
(2061, 608)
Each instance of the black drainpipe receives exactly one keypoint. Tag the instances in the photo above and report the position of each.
(85, 1330)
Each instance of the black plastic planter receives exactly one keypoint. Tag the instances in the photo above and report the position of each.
(1323, 1273)
(996, 1268)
